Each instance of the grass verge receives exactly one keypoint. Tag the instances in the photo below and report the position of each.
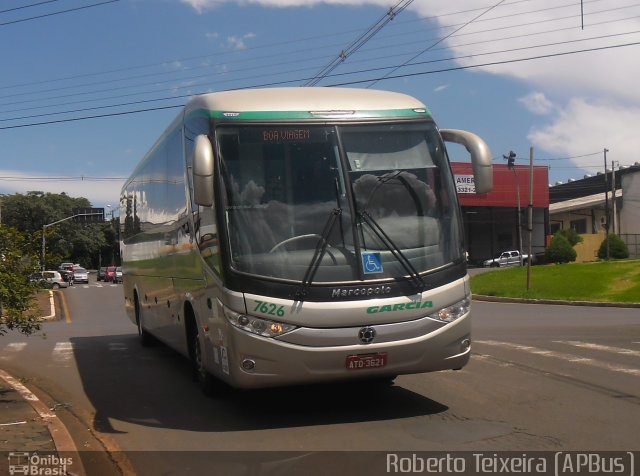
(606, 281)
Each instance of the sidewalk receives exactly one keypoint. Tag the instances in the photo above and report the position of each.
(33, 440)
(21, 427)
(31, 434)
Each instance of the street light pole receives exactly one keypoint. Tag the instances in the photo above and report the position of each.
(44, 229)
(515, 174)
(511, 164)
(606, 204)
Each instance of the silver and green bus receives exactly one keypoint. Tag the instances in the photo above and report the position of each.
(301, 235)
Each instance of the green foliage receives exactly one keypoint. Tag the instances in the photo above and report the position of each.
(88, 244)
(617, 248)
(17, 264)
(560, 250)
(572, 236)
(602, 281)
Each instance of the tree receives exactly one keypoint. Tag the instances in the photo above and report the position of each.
(617, 248)
(66, 241)
(17, 263)
(560, 250)
(572, 236)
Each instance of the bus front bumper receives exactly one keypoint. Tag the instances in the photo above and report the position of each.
(254, 362)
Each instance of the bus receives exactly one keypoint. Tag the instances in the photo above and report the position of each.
(288, 236)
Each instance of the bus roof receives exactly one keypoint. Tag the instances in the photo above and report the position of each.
(303, 99)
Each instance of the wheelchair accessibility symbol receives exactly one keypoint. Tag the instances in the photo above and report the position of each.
(371, 263)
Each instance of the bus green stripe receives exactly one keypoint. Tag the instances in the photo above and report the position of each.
(305, 115)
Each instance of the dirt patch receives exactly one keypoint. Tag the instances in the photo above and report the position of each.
(43, 304)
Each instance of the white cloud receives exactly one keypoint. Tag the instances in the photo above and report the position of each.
(440, 88)
(584, 127)
(543, 46)
(202, 6)
(537, 103)
(238, 43)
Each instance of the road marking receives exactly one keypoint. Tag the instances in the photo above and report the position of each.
(15, 346)
(562, 356)
(63, 351)
(604, 348)
(67, 314)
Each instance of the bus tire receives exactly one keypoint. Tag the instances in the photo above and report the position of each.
(201, 375)
(146, 339)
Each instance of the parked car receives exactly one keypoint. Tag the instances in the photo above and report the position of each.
(506, 258)
(51, 279)
(119, 274)
(66, 267)
(110, 275)
(102, 272)
(80, 275)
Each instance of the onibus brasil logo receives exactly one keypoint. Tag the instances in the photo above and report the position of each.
(38, 465)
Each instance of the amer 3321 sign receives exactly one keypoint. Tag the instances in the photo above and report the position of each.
(465, 184)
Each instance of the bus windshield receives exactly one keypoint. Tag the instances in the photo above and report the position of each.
(366, 201)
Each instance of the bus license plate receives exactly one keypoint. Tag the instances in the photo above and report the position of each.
(366, 361)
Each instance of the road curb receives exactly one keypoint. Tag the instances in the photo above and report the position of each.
(480, 297)
(58, 431)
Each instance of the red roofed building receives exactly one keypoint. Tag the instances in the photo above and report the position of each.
(491, 219)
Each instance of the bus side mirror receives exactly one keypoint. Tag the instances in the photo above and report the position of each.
(480, 156)
(203, 166)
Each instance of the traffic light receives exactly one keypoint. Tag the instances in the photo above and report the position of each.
(511, 159)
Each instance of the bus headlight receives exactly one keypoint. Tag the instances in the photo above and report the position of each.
(256, 325)
(451, 313)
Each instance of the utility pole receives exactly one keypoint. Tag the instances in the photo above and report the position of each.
(606, 204)
(530, 218)
(614, 218)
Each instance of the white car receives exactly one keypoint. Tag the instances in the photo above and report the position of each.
(52, 279)
(80, 275)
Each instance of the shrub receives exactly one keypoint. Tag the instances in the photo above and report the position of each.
(560, 250)
(617, 248)
(572, 236)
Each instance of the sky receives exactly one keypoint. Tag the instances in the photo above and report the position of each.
(86, 86)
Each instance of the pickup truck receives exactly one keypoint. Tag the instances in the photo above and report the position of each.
(506, 258)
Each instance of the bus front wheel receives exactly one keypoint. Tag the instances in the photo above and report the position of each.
(146, 339)
(201, 375)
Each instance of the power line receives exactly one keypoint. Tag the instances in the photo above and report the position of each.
(219, 82)
(27, 6)
(572, 157)
(359, 42)
(494, 63)
(181, 60)
(200, 57)
(349, 83)
(66, 103)
(97, 116)
(57, 13)
(437, 42)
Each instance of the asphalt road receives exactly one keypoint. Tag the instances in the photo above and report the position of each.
(542, 378)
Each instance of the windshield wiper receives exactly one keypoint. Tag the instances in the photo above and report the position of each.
(321, 248)
(416, 279)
